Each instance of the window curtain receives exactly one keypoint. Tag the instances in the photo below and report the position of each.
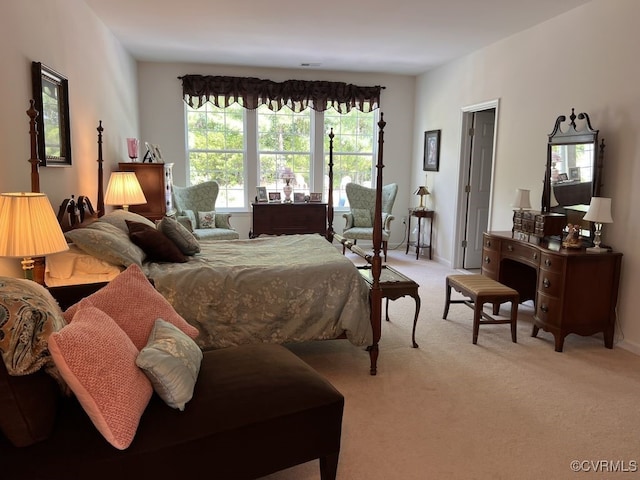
(295, 94)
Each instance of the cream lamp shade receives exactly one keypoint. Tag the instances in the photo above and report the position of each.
(599, 212)
(29, 228)
(522, 199)
(124, 189)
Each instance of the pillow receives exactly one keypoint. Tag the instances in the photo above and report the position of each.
(75, 261)
(191, 215)
(207, 219)
(361, 217)
(118, 218)
(98, 362)
(171, 360)
(181, 236)
(106, 242)
(134, 305)
(28, 315)
(156, 245)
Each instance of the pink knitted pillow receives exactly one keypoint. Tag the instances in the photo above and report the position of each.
(134, 305)
(98, 362)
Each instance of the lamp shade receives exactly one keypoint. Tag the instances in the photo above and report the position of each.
(422, 190)
(522, 199)
(124, 189)
(599, 210)
(28, 226)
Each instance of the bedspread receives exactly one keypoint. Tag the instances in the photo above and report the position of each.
(290, 288)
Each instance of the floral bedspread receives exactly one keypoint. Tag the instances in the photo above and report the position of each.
(282, 289)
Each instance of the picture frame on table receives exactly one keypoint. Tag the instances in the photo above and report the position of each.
(574, 173)
(315, 197)
(261, 195)
(431, 160)
(298, 197)
(274, 197)
(563, 177)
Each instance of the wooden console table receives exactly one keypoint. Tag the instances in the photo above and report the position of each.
(420, 214)
(288, 218)
(574, 291)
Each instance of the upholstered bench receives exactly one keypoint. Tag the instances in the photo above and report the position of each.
(256, 409)
(481, 290)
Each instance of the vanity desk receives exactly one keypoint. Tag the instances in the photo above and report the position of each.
(574, 291)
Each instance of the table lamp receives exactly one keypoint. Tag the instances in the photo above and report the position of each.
(422, 191)
(522, 200)
(599, 212)
(29, 228)
(124, 189)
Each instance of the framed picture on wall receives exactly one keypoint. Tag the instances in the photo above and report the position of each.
(431, 161)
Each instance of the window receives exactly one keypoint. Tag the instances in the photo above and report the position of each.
(241, 149)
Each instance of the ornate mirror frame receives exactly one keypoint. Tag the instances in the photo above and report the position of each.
(51, 96)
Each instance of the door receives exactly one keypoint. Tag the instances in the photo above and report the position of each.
(478, 186)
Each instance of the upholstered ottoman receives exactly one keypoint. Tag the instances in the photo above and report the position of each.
(256, 409)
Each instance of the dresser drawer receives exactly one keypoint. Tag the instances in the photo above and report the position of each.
(521, 252)
(550, 283)
(491, 244)
(490, 263)
(552, 263)
(548, 310)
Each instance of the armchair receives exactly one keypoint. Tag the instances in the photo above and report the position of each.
(194, 201)
(359, 221)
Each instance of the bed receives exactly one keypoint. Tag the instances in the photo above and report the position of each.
(273, 289)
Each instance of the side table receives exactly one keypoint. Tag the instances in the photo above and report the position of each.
(420, 214)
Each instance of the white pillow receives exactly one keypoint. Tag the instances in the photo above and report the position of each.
(207, 219)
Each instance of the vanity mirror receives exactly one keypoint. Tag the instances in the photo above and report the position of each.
(51, 96)
(573, 171)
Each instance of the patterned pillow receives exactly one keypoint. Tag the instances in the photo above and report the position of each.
(134, 305)
(171, 360)
(361, 217)
(207, 219)
(180, 235)
(156, 245)
(98, 362)
(106, 242)
(28, 315)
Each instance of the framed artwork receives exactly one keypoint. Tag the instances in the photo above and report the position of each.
(563, 177)
(274, 197)
(261, 195)
(574, 173)
(431, 161)
(315, 197)
(298, 197)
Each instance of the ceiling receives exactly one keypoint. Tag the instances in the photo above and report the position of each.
(397, 36)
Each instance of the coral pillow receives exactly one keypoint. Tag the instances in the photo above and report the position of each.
(134, 305)
(98, 362)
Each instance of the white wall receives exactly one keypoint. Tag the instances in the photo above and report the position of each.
(162, 121)
(66, 36)
(587, 59)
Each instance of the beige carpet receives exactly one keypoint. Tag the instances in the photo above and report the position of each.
(495, 410)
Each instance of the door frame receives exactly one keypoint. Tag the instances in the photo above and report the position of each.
(465, 160)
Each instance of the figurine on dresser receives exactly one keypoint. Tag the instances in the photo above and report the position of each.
(572, 240)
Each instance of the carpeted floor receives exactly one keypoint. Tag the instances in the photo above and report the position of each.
(495, 410)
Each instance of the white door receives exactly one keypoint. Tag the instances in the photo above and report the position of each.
(478, 186)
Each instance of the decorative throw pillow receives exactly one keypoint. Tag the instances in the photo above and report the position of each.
(361, 217)
(180, 235)
(28, 315)
(106, 242)
(156, 245)
(171, 360)
(207, 219)
(118, 218)
(134, 305)
(191, 215)
(98, 362)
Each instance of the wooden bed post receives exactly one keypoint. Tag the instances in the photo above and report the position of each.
(376, 260)
(100, 200)
(34, 160)
(330, 199)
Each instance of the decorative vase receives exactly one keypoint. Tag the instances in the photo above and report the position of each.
(287, 189)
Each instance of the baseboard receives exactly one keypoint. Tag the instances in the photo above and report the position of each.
(629, 346)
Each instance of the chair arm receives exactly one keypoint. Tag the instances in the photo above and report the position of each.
(386, 221)
(222, 221)
(348, 217)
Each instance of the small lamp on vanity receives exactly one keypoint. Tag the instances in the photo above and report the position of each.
(124, 189)
(522, 200)
(29, 228)
(422, 191)
(599, 212)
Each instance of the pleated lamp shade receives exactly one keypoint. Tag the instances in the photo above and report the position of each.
(124, 189)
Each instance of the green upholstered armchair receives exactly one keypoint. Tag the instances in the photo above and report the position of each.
(359, 221)
(193, 202)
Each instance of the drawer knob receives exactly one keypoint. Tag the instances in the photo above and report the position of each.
(547, 262)
(535, 256)
(544, 308)
(487, 260)
(488, 244)
(546, 283)
(510, 248)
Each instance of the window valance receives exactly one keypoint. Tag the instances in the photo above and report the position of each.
(295, 94)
